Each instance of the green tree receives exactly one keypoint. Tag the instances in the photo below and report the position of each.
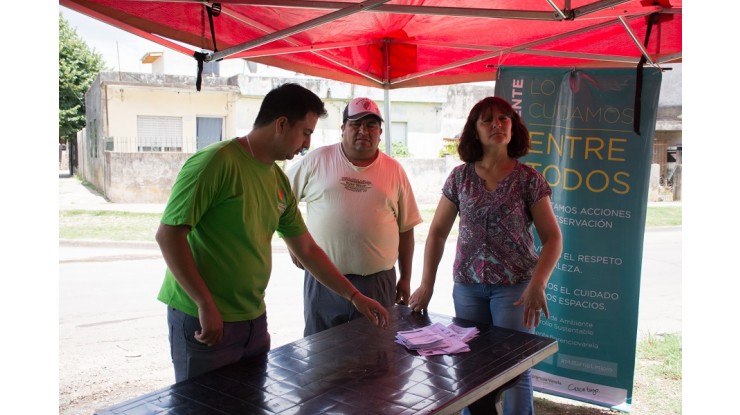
(398, 150)
(78, 67)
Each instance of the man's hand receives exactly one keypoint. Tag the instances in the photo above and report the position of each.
(376, 313)
(420, 298)
(295, 260)
(403, 290)
(212, 325)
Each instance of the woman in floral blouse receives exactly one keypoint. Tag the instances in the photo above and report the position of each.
(498, 276)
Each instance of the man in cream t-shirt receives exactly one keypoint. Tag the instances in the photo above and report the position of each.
(361, 211)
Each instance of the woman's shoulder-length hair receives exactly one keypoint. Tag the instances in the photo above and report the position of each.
(470, 148)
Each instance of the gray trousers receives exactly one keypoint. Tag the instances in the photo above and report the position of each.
(324, 309)
(242, 340)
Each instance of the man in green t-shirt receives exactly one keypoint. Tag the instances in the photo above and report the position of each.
(215, 237)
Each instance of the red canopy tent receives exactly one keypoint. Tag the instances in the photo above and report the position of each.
(405, 43)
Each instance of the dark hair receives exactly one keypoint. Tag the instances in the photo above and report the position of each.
(470, 148)
(289, 100)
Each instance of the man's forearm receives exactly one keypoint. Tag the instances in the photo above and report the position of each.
(405, 254)
(177, 255)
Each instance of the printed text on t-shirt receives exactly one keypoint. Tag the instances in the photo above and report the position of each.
(356, 185)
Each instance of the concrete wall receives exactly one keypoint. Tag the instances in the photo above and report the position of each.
(427, 177)
(91, 140)
(148, 177)
(141, 177)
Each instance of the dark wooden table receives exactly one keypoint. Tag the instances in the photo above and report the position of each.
(355, 368)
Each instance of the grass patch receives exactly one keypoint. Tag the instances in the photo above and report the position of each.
(658, 375)
(664, 216)
(108, 225)
(657, 386)
(666, 352)
(137, 226)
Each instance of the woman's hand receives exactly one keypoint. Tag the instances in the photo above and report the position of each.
(535, 303)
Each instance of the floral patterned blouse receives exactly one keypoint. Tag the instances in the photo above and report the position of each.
(495, 244)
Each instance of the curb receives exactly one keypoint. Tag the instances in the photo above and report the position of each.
(670, 228)
(101, 243)
(276, 246)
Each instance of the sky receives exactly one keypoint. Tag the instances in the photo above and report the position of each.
(116, 46)
(30, 209)
(123, 51)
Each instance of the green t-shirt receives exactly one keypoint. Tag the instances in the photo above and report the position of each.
(233, 205)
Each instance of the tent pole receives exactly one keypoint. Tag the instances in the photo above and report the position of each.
(386, 95)
(387, 111)
(643, 51)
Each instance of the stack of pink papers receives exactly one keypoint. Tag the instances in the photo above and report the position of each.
(437, 339)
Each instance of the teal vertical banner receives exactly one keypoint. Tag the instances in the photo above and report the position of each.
(582, 123)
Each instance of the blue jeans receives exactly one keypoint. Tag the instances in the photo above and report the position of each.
(492, 304)
(242, 340)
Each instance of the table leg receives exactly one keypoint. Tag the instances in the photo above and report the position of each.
(498, 395)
